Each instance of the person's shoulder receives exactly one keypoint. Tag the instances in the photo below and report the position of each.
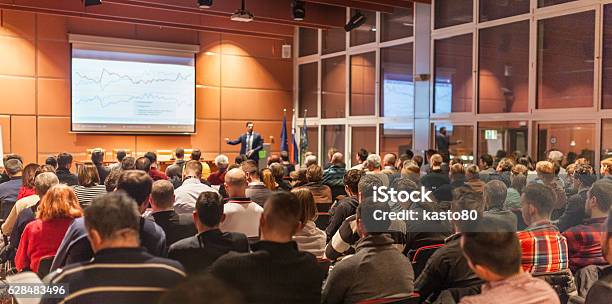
(170, 265)
(233, 259)
(186, 243)
(150, 227)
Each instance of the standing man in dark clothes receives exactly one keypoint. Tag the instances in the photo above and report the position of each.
(275, 272)
(250, 143)
(443, 143)
(64, 163)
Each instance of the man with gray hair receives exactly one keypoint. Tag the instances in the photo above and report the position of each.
(218, 177)
(494, 197)
(10, 189)
(241, 214)
(42, 184)
(333, 176)
(373, 166)
(310, 160)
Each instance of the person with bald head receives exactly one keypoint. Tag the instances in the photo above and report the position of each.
(276, 271)
(333, 176)
(241, 214)
(388, 163)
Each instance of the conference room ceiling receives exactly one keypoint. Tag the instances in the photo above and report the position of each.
(272, 17)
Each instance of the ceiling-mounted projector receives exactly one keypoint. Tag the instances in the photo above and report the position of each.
(242, 14)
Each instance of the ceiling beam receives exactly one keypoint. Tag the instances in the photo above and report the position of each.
(390, 3)
(354, 4)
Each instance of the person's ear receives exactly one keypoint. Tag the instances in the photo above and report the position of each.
(95, 239)
(196, 217)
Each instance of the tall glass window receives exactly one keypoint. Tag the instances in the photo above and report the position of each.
(510, 136)
(313, 139)
(397, 83)
(362, 137)
(363, 84)
(453, 76)
(333, 87)
(578, 139)
(452, 12)
(309, 42)
(396, 138)
(333, 137)
(606, 139)
(543, 3)
(566, 61)
(367, 32)
(307, 95)
(334, 40)
(503, 72)
(460, 141)
(606, 82)
(495, 9)
(399, 24)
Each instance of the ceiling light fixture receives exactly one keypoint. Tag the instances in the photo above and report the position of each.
(356, 21)
(205, 3)
(92, 2)
(242, 14)
(298, 10)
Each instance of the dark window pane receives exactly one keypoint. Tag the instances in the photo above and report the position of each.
(399, 24)
(497, 9)
(307, 95)
(575, 138)
(543, 3)
(367, 32)
(363, 79)
(509, 136)
(333, 99)
(504, 68)
(453, 77)
(362, 137)
(566, 53)
(463, 150)
(334, 40)
(395, 138)
(453, 12)
(333, 137)
(397, 84)
(606, 139)
(607, 59)
(313, 139)
(308, 41)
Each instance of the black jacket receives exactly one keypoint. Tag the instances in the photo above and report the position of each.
(574, 211)
(273, 273)
(199, 252)
(339, 212)
(446, 268)
(176, 226)
(65, 177)
(435, 179)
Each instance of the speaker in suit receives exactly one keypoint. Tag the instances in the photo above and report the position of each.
(250, 143)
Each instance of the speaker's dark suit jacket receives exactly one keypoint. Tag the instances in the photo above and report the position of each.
(256, 146)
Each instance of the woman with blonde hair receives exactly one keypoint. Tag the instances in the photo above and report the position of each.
(89, 184)
(310, 238)
(41, 238)
(268, 179)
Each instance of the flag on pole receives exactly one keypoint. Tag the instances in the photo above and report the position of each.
(304, 137)
(295, 147)
(283, 145)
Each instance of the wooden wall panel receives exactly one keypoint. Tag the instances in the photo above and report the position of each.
(23, 137)
(53, 97)
(17, 95)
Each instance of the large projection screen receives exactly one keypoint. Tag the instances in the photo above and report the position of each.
(122, 89)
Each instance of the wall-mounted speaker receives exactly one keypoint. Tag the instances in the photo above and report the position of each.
(286, 53)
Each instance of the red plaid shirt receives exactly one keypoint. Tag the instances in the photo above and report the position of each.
(544, 248)
(584, 242)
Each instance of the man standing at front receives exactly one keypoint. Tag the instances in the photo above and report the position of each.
(250, 143)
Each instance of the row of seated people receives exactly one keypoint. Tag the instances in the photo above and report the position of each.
(75, 239)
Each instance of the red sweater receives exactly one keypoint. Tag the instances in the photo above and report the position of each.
(25, 192)
(40, 239)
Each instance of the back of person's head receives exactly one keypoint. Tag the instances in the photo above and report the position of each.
(209, 207)
(540, 197)
(235, 182)
(239, 159)
(389, 160)
(137, 184)
(337, 159)
(282, 213)
(51, 161)
(518, 182)
(162, 194)
(314, 174)
(273, 159)
(250, 168)
(486, 160)
(13, 166)
(429, 153)
(410, 168)
(113, 216)
(199, 287)
(520, 169)
(409, 154)
(584, 174)
(466, 198)
(526, 161)
(111, 180)
(330, 152)
(151, 156)
(179, 153)
(44, 181)
(121, 154)
(418, 159)
(404, 184)
(555, 156)
(28, 174)
(368, 223)
(128, 163)
(505, 164)
(310, 160)
(307, 202)
(193, 168)
(284, 156)
(601, 190)
(472, 171)
(59, 202)
(497, 250)
(44, 168)
(13, 156)
(500, 154)
(88, 175)
(436, 161)
(97, 157)
(606, 166)
(143, 164)
(221, 161)
(351, 180)
(545, 168)
(457, 170)
(64, 160)
(366, 186)
(362, 154)
(267, 177)
(373, 161)
(196, 154)
(495, 192)
(278, 171)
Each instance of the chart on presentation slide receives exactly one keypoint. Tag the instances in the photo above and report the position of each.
(132, 93)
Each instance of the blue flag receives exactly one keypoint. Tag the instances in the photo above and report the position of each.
(294, 144)
(304, 138)
(283, 145)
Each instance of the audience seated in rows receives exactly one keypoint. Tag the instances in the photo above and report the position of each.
(198, 252)
(574, 213)
(187, 194)
(176, 226)
(89, 184)
(241, 214)
(120, 271)
(309, 238)
(494, 196)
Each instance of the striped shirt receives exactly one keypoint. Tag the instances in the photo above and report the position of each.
(543, 247)
(117, 275)
(86, 194)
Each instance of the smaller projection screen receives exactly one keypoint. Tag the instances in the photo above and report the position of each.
(124, 90)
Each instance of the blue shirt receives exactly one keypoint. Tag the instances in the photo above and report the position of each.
(9, 190)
